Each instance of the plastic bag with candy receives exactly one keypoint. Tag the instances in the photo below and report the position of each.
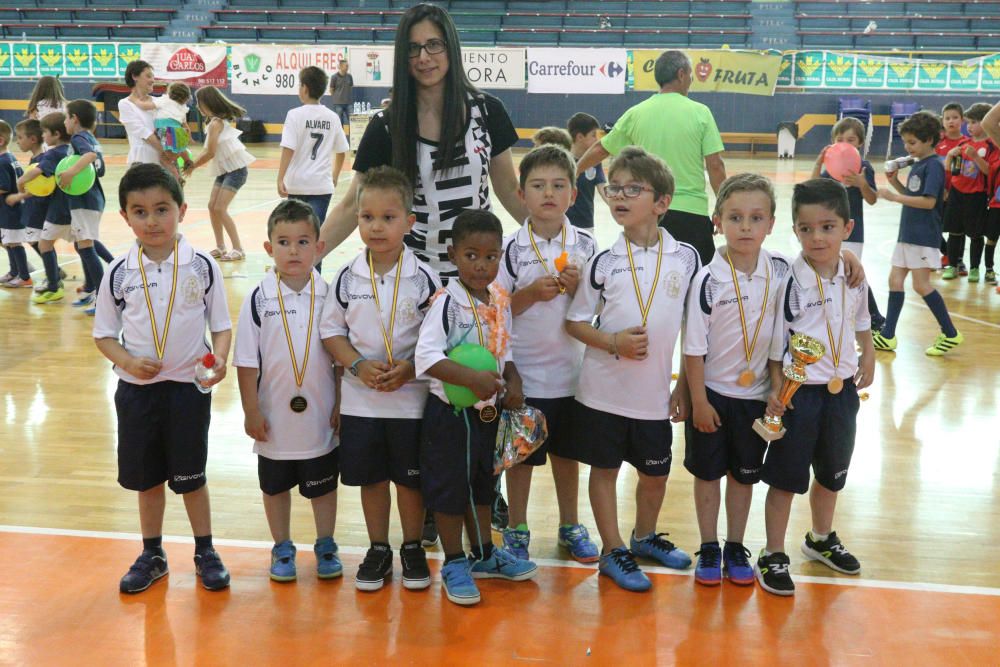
(520, 433)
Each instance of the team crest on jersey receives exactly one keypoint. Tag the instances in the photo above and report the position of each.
(914, 182)
(591, 173)
(672, 283)
(407, 311)
(191, 291)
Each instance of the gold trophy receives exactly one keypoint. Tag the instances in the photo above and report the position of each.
(805, 350)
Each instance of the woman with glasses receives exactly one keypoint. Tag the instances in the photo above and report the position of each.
(452, 140)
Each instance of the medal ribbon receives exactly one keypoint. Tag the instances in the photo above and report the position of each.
(386, 337)
(545, 262)
(160, 343)
(749, 347)
(645, 308)
(299, 376)
(835, 350)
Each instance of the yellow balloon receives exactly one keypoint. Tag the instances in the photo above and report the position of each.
(42, 186)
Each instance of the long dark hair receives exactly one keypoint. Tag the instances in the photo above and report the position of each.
(402, 111)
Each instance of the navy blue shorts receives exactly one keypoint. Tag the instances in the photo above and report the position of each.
(734, 448)
(449, 471)
(162, 435)
(232, 180)
(605, 440)
(820, 433)
(559, 418)
(318, 203)
(373, 450)
(314, 477)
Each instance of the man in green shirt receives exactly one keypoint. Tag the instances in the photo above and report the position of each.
(683, 133)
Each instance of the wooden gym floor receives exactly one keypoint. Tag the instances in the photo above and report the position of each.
(921, 511)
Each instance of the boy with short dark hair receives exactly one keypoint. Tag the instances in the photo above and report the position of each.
(33, 207)
(11, 224)
(583, 127)
(815, 300)
(152, 311)
(951, 136)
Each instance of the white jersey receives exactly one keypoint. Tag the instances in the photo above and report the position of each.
(168, 109)
(639, 389)
(314, 132)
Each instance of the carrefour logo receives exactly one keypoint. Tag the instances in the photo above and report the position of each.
(571, 68)
(611, 69)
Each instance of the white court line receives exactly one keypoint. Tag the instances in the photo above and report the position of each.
(545, 562)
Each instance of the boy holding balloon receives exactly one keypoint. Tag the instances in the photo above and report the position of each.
(11, 226)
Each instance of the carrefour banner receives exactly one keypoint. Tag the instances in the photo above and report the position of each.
(195, 64)
(591, 71)
(832, 70)
(81, 60)
(720, 71)
(273, 69)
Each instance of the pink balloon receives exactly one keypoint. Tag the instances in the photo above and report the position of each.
(842, 158)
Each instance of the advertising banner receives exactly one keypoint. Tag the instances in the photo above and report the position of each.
(591, 71)
(273, 69)
(370, 66)
(194, 64)
(494, 67)
(718, 71)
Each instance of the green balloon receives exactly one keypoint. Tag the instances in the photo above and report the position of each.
(82, 182)
(471, 356)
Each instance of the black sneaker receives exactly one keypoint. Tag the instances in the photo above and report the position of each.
(500, 517)
(416, 574)
(208, 566)
(772, 573)
(375, 568)
(430, 535)
(147, 568)
(832, 553)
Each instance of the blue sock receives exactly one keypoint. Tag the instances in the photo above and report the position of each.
(935, 302)
(92, 267)
(51, 270)
(892, 314)
(103, 252)
(202, 543)
(11, 261)
(19, 259)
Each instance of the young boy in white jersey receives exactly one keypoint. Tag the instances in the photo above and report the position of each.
(457, 445)
(727, 337)
(815, 300)
(370, 326)
(541, 271)
(289, 392)
(636, 290)
(311, 136)
(153, 307)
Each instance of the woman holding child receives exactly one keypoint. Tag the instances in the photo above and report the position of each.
(143, 144)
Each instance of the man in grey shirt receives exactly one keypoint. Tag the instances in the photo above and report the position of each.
(342, 93)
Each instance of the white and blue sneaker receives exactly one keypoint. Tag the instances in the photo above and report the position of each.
(283, 562)
(328, 565)
(86, 298)
(516, 542)
(459, 585)
(620, 565)
(663, 551)
(503, 565)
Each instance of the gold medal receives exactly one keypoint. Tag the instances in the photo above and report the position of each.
(835, 385)
(386, 336)
(487, 413)
(298, 404)
(747, 378)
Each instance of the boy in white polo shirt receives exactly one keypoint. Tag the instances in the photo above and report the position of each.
(370, 325)
(541, 270)
(288, 388)
(815, 299)
(312, 134)
(636, 291)
(153, 306)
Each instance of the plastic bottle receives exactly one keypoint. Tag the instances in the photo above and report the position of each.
(895, 165)
(956, 165)
(204, 371)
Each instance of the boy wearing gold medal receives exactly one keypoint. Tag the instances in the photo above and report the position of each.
(815, 300)
(288, 389)
(628, 310)
(370, 325)
(152, 309)
(541, 270)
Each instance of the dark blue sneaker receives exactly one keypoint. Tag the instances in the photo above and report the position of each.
(503, 565)
(283, 561)
(459, 585)
(772, 573)
(146, 569)
(516, 542)
(328, 565)
(208, 566)
(577, 540)
(736, 563)
(708, 571)
(661, 550)
(620, 565)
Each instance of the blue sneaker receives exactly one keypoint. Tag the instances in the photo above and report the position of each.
(708, 571)
(660, 550)
(86, 298)
(516, 542)
(208, 566)
(620, 565)
(736, 562)
(459, 585)
(577, 540)
(147, 568)
(503, 565)
(328, 565)
(283, 561)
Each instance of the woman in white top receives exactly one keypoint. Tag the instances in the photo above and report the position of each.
(143, 144)
(228, 161)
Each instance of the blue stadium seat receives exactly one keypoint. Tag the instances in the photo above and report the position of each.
(362, 4)
(879, 39)
(86, 31)
(477, 37)
(346, 18)
(240, 4)
(663, 40)
(518, 37)
(600, 7)
(280, 17)
(938, 25)
(719, 23)
(858, 24)
(715, 40)
(251, 17)
(16, 30)
(10, 15)
(148, 16)
(958, 41)
(716, 7)
(231, 34)
(827, 41)
(982, 9)
(167, 4)
(654, 22)
(137, 32)
(108, 3)
(535, 6)
(58, 3)
(498, 5)
(476, 20)
(603, 38)
(272, 33)
(548, 22)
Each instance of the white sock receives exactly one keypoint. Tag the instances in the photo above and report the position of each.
(819, 537)
(765, 553)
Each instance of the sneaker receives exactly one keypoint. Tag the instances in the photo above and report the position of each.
(503, 565)
(620, 565)
(877, 324)
(944, 261)
(736, 564)
(328, 565)
(146, 569)
(949, 273)
(48, 296)
(500, 516)
(208, 566)
(7, 277)
(86, 298)
(991, 278)
(974, 275)
(577, 540)
(416, 574)
(459, 585)
(41, 286)
(883, 343)
(430, 535)
(91, 311)
(832, 553)
(708, 570)
(942, 344)
(772, 573)
(19, 282)
(660, 550)
(375, 568)
(516, 542)
(283, 561)
(962, 271)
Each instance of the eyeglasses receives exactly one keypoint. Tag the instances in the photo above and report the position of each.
(631, 190)
(431, 46)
